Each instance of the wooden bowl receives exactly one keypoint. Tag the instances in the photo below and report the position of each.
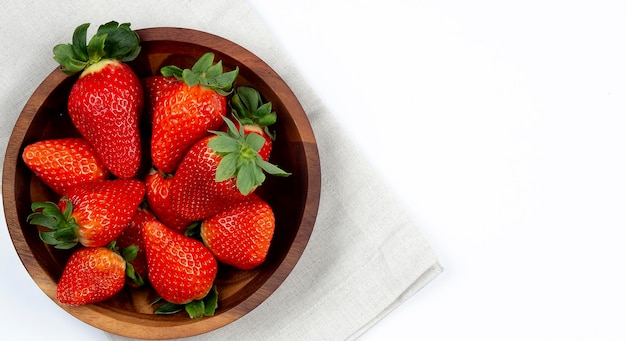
(294, 199)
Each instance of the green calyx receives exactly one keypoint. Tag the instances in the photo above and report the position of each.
(205, 73)
(61, 225)
(129, 254)
(111, 41)
(241, 159)
(248, 107)
(195, 309)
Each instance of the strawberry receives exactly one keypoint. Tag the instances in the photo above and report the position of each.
(217, 171)
(157, 195)
(106, 101)
(61, 163)
(240, 235)
(154, 88)
(181, 269)
(132, 235)
(92, 274)
(186, 111)
(255, 116)
(91, 213)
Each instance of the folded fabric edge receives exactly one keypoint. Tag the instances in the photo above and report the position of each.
(428, 275)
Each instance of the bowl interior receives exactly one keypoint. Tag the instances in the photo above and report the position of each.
(294, 199)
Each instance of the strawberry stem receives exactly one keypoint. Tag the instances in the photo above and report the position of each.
(195, 309)
(205, 73)
(248, 107)
(241, 159)
(111, 41)
(60, 224)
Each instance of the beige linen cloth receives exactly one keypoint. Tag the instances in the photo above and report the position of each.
(365, 256)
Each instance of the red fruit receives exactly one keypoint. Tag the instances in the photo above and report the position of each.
(180, 269)
(92, 274)
(157, 195)
(194, 193)
(92, 213)
(132, 235)
(218, 171)
(62, 163)
(188, 110)
(240, 235)
(154, 88)
(106, 101)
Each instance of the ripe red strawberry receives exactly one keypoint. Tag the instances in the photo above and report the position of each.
(157, 195)
(62, 163)
(217, 171)
(92, 274)
(91, 213)
(181, 269)
(132, 235)
(106, 101)
(185, 112)
(240, 235)
(154, 88)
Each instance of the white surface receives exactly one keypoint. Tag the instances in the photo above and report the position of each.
(500, 124)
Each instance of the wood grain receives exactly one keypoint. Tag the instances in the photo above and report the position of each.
(294, 199)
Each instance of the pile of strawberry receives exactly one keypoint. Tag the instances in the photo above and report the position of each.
(196, 208)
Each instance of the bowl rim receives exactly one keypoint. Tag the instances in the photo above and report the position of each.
(130, 326)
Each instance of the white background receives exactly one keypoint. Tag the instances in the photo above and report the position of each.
(500, 125)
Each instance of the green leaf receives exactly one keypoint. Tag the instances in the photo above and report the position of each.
(206, 73)
(259, 176)
(133, 275)
(267, 120)
(190, 77)
(129, 253)
(79, 42)
(264, 109)
(107, 28)
(121, 40)
(225, 80)
(214, 70)
(246, 178)
(193, 231)
(62, 231)
(74, 66)
(132, 55)
(65, 234)
(224, 144)
(250, 98)
(172, 71)
(48, 237)
(64, 55)
(210, 302)
(168, 308)
(243, 162)
(203, 63)
(64, 245)
(255, 141)
(95, 49)
(195, 309)
(69, 208)
(248, 107)
(271, 168)
(232, 128)
(41, 220)
(227, 168)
